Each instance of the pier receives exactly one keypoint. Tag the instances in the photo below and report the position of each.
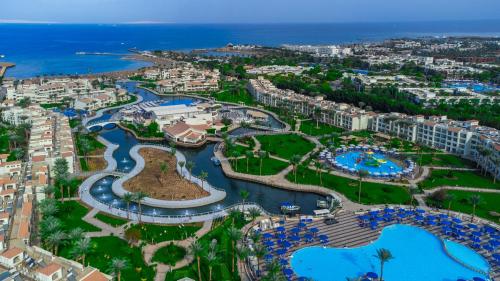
(4, 66)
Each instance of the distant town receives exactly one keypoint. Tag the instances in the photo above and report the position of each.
(230, 163)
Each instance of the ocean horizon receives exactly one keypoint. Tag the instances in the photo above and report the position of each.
(50, 49)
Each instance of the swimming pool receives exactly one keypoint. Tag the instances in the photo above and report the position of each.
(418, 255)
(177, 102)
(374, 162)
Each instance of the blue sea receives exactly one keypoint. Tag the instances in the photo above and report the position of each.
(48, 49)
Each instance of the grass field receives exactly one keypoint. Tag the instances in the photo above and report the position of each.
(371, 193)
(155, 233)
(308, 127)
(285, 146)
(113, 221)
(104, 249)
(458, 178)
(169, 254)
(270, 166)
(443, 160)
(460, 203)
(71, 214)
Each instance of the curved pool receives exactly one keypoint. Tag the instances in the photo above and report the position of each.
(418, 255)
(372, 162)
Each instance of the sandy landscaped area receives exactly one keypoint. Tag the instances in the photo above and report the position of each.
(166, 184)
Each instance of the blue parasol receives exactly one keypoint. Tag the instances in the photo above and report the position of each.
(267, 235)
(372, 275)
(280, 229)
(287, 271)
(457, 220)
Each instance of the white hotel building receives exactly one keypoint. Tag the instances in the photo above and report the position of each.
(464, 138)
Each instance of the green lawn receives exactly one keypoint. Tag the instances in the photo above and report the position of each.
(238, 148)
(309, 128)
(285, 146)
(91, 139)
(443, 160)
(158, 233)
(111, 220)
(4, 140)
(371, 193)
(104, 249)
(460, 203)
(71, 213)
(222, 268)
(270, 166)
(240, 96)
(51, 105)
(458, 178)
(169, 254)
(73, 123)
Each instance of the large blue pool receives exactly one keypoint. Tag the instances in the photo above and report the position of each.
(418, 255)
(358, 161)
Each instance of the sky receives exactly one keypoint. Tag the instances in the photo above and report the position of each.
(245, 11)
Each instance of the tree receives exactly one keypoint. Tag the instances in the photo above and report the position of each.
(81, 249)
(128, 198)
(164, 168)
(117, 265)
(55, 239)
(182, 164)
(48, 208)
(190, 166)
(248, 154)
(317, 116)
(254, 213)
(236, 155)
(496, 169)
(138, 197)
(49, 191)
(260, 251)
(196, 251)
(61, 172)
(295, 160)
(383, 255)
(211, 258)
(262, 155)
(203, 176)
(244, 196)
(449, 197)
(474, 201)
(85, 147)
(361, 174)
(234, 235)
(75, 234)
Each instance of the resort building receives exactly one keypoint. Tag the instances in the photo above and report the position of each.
(277, 69)
(185, 133)
(100, 98)
(187, 78)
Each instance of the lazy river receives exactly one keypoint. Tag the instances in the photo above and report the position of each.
(267, 197)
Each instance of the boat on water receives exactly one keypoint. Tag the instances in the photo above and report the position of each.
(215, 160)
(2, 56)
(289, 208)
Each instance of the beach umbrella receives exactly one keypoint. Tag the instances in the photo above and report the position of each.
(445, 222)
(268, 257)
(476, 233)
(286, 244)
(283, 262)
(421, 211)
(496, 256)
(461, 279)
(301, 224)
(443, 216)
(472, 226)
(281, 222)
(431, 217)
(280, 229)
(294, 238)
(372, 275)
(488, 248)
(281, 236)
(314, 230)
(302, 279)
(489, 229)
(431, 222)
(458, 226)
(309, 220)
(308, 236)
(475, 239)
(295, 230)
(365, 279)
(287, 271)
(494, 243)
(280, 252)
(323, 237)
(269, 243)
(267, 235)
(457, 220)
(478, 279)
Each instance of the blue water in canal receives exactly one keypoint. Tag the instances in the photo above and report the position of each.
(45, 49)
(268, 197)
(418, 255)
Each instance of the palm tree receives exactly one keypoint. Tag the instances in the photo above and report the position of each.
(383, 255)
(196, 250)
(243, 252)
(260, 251)
(48, 208)
(317, 115)
(181, 164)
(75, 234)
(254, 213)
(49, 191)
(56, 239)
(449, 197)
(496, 164)
(474, 201)
(117, 265)
(244, 196)
(361, 175)
(249, 154)
(128, 198)
(190, 166)
(236, 154)
(234, 235)
(203, 176)
(211, 258)
(262, 155)
(81, 249)
(295, 160)
(138, 197)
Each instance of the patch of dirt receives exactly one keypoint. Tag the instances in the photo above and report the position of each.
(164, 184)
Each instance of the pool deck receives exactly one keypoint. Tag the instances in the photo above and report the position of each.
(348, 233)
